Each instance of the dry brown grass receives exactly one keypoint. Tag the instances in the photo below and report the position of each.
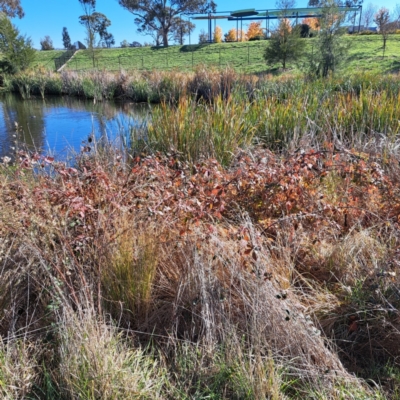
(19, 369)
(96, 361)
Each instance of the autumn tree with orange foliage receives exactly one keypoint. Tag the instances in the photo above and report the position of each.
(254, 30)
(218, 34)
(231, 36)
(235, 35)
(285, 23)
(313, 23)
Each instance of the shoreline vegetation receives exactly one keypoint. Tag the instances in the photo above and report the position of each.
(243, 245)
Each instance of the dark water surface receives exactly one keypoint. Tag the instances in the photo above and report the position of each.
(62, 126)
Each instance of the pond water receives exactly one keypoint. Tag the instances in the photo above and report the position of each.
(62, 126)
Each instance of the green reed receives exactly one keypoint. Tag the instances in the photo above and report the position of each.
(196, 130)
(346, 109)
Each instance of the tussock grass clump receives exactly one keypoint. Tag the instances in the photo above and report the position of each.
(19, 369)
(96, 361)
(128, 279)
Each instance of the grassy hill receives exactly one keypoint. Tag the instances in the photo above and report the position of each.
(365, 54)
(46, 59)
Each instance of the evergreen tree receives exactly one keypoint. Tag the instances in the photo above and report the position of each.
(329, 50)
(285, 45)
(66, 39)
(16, 50)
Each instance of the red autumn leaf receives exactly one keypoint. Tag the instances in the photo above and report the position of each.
(248, 250)
(353, 326)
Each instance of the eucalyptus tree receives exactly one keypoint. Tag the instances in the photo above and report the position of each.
(11, 8)
(164, 18)
(96, 23)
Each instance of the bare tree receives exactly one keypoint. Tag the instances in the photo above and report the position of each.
(396, 13)
(203, 37)
(368, 14)
(285, 4)
(382, 19)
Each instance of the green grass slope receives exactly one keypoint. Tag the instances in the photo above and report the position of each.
(243, 56)
(46, 59)
(365, 54)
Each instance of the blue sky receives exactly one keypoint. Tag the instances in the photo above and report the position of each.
(48, 17)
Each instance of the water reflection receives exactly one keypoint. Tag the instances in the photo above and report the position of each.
(60, 125)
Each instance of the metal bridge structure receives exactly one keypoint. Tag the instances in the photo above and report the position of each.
(252, 15)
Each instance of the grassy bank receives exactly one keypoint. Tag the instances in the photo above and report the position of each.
(365, 54)
(245, 246)
(45, 59)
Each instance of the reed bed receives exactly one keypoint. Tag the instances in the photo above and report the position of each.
(278, 114)
(212, 113)
(203, 83)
